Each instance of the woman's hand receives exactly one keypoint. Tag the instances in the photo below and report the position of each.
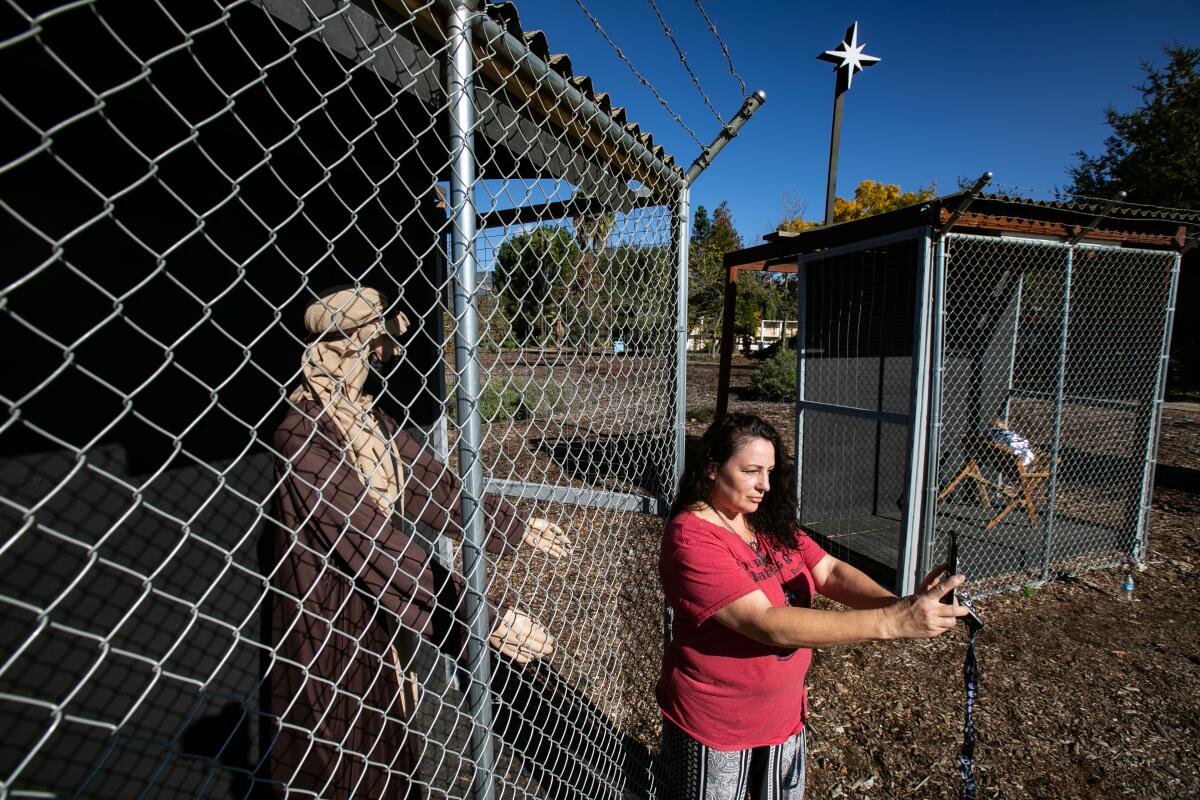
(520, 638)
(931, 580)
(923, 615)
(547, 537)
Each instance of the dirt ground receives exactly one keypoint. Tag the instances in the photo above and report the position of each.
(1080, 695)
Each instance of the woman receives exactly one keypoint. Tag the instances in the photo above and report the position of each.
(740, 576)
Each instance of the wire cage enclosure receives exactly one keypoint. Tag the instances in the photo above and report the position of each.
(1063, 347)
(180, 182)
(1002, 380)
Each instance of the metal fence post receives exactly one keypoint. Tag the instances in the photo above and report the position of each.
(682, 223)
(683, 240)
(1143, 518)
(1012, 352)
(460, 91)
(933, 443)
(909, 552)
(1056, 436)
(801, 343)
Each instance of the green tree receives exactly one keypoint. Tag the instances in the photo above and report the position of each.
(775, 378)
(753, 295)
(1154, 151)
(723, 237)
(533, 270)
(710, 241)
(636, 279)
(590, 317)
(760, 296)
(701, 228)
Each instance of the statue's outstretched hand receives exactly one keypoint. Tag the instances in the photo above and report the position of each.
(547, 537)
(520, 638)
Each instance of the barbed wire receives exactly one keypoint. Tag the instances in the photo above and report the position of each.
(724, 48)
(1132, 203)
(1005, 188)
(683, 60)
(621, 55)
(1068, 195)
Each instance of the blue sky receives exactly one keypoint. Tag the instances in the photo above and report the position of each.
(1015, 87)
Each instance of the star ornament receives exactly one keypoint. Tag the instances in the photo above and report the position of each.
(848, 58)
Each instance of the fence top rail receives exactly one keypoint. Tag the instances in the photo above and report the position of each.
(1112, 247)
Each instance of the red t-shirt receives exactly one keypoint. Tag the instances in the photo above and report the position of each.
(724, 689)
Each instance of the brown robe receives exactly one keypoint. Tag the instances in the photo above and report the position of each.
(347, 577)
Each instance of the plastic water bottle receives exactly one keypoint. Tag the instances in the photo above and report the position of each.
(1126, 593)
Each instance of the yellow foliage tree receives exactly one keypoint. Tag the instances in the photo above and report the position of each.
(798, 224)
(871, 197)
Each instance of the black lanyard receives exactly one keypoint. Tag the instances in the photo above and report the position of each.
(966, 758)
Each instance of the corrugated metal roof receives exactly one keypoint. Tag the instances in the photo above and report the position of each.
(506, 15)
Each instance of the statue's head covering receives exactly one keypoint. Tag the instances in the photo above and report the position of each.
(346, 325)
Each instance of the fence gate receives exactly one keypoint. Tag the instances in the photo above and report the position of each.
(863, 313)
(195, 601)
(1065, 347)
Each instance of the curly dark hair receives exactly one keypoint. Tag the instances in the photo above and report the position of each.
(776, 515)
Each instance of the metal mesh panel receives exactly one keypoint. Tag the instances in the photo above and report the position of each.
(1050, 382)
(856, 400)
(200, 596)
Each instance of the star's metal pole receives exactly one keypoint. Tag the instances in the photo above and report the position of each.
(848, 59)
(835, 137)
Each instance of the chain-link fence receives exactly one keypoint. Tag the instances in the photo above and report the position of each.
(1051, 378)
(247, 550)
